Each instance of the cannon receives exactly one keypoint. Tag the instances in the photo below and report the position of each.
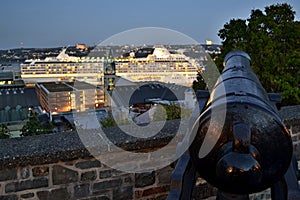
(238, 143)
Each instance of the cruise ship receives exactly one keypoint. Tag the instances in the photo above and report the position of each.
(157, 64)
(63, 68)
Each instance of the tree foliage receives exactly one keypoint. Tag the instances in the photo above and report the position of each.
(162, 113)
(34, 127)
(199, 84)
(108, 122)
(272, 39)
(170, 112)
(4, 132)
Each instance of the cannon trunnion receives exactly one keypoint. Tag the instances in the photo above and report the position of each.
(251, 149)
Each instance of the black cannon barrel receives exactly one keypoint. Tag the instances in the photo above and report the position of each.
(251, 149)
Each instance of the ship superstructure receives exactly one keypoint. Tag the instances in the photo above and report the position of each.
(156, 64)
(63, 68)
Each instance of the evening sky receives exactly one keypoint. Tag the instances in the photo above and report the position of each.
(53, 23)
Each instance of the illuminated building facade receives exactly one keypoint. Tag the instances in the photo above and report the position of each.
(56, 97)
(157, 64)
(109, 72)
(82, 47)
(63, 68)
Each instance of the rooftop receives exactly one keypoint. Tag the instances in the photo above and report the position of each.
(66, 86)
(141, 92)
(56, 86)
(24, 97)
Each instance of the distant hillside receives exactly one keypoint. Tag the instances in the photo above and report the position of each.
(21, 54)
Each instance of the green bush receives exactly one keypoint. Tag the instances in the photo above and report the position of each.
(34, 127)
(4, 132)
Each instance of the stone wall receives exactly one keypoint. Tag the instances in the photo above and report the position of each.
(291, 118)
(87, 179)
(81, 179)
(58, 166)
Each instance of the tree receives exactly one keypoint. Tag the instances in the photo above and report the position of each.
(271, 38)
(170, 112)
(108, 122)
(34, 127)
(199, 84)
(4, 132)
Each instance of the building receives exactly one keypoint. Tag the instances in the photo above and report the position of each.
(10, 71)
(63, 68)
(128, 94)
(82, 47)
(208, 42)
(57, 97)
(157, 64)
(15, 98)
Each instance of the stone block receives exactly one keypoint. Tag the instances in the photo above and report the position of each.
(63, 175)
(40, 171)
(27, 195)
(88, 164)
(25, 172)
(56, 194)
(295, 128)
(156, 190)
(128, 180)
(82, 190)
(123, 193)
(164, 175)
(144, 179)
(115, 172)
(138, 194)
(8, 174)
(107, 185)
(97, 198)
(297, 150)
(69, 163)
(26, 185)
(203, 190)
(105, 174)
(89, 176)
(9, 197)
